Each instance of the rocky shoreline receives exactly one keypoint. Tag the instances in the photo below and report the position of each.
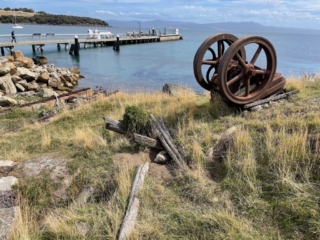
(22, 76)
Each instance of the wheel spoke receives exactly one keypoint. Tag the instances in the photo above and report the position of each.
(256, 55)
(209, 62)
(241, 61)
(262, 72)
(235, 79)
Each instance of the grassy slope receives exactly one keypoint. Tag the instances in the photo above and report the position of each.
(266, 187)
(12, 13)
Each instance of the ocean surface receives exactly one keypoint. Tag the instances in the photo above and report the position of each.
(149, 66)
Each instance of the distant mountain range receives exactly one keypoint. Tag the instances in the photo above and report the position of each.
(223, 26)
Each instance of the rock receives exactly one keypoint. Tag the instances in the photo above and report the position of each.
(54, 75)
(6, 101)
(8, 217)
(46, 93)
(174, 89)
(15, 78)
(3, 60)
(162, 158)
(23, 62)
(74, 70)
(43, 85)
(26, 74)
(27, 94)
(41, 60)
(13, 68)
(82, 228)
(8, 195)
(7, 166)
(256, 108)
(53, 82)
(84, 196)
(20, 88)
(43, 77)
(17, 54)
(220, 148)
(7, 85)
(31, 86)
(4, 69)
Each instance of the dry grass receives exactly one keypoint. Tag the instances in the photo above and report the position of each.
(12, 13)
(267, 185)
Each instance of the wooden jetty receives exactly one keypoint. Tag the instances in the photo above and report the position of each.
(37, 40)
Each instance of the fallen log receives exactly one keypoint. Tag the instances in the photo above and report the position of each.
(113, 125)
(133, 205)
(167, 143)
(150, 142)
(269, 99)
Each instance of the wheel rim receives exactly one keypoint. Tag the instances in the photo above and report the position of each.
(209, 66)
(248, 81)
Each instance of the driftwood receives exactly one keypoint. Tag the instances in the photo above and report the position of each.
(150, 142)
(167, 142)
(113, 125)
(269, 99)
(133, 205)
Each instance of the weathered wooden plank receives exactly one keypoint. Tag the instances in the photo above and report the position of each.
(113, 125)
(167, 143)
(133, 205)
(150, 142)
(269, 99)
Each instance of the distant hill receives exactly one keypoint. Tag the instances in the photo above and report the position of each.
(223, 26)
(49, 19)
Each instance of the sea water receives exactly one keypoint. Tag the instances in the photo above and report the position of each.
(149, 66)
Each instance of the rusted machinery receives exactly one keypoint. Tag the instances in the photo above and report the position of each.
(221, 65)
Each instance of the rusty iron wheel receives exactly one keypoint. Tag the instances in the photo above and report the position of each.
(207, 60)
(243, 82)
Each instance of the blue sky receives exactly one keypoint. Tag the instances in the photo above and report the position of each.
(284, 13)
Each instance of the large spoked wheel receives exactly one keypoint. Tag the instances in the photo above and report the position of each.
(244, 82)
(208, 56)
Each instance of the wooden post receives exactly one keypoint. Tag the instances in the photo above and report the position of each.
(58, 46)
(33, 48)
(2, 51)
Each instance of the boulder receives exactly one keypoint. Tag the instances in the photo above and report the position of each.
(6, 166)
(6, 101)
(8, 217)
(7, 85)
(20, 88)
(26, 74)
(40, 60)
(43, 77)
(174, 89)
(33, 86)
(74, 70)
(15, 78)
(13, 68)
(17, 54)
(53, 82)
(8, 194)
(4, 69)
(46, 93)
(27, 94)
(24, 62)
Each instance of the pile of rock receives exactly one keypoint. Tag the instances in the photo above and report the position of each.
(20, 75)
(9, 209)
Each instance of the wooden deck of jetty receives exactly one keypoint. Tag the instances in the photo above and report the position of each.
(37, 40)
